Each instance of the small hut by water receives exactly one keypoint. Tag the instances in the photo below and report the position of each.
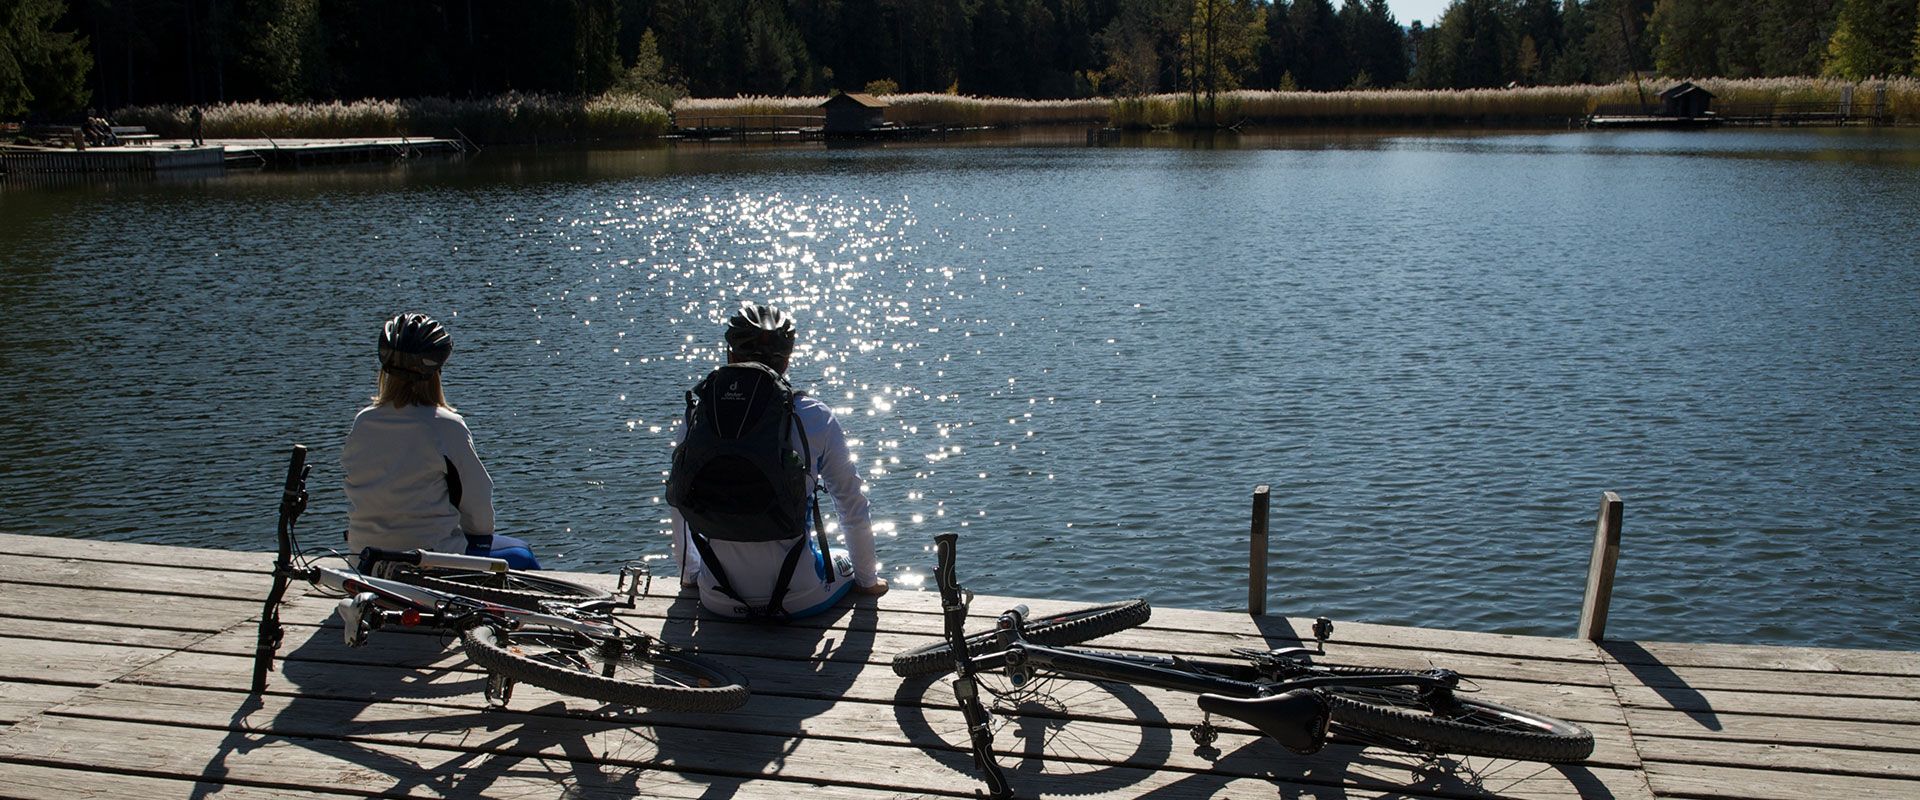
(854, 113)
(1685, 101)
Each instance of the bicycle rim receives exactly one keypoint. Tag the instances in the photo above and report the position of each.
(515, 589)
(1056, 630)
(1460, 725)
(569, 663)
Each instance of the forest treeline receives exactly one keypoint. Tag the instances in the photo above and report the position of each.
(57, 56)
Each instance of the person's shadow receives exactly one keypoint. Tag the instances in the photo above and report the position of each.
(797, 671)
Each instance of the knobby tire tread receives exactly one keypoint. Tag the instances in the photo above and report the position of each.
(719, 687)
(1057, 630)
(1386, 710)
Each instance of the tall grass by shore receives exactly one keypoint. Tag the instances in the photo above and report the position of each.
(517, 118)
(1520, 105)
(505, 119)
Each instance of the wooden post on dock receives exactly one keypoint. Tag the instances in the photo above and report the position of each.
(1257, 554)
(1606, 553)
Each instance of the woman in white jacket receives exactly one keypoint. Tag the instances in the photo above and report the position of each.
(413, 478)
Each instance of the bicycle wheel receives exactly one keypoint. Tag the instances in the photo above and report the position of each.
(573, 664)
(1057, 630)
(516, 589)
(1460, 725)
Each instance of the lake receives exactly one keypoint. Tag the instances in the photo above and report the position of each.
(1437, 348)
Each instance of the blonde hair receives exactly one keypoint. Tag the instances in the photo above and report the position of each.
(400, 392)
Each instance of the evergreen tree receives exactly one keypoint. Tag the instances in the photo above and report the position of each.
(41, 69)
(1319, 64)
(1375, 45)
(1471, 48)
(649, 76)
(1687, 37)
(1542, 34)
(1277, 46)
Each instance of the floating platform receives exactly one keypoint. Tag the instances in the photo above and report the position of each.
(125, 668)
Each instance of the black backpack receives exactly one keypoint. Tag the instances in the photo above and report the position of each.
(736, 475)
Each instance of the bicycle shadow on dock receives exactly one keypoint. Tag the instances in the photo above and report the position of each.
(395, 712)
(1063, 738)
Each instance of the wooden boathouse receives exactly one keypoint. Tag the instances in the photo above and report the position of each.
(1686, 105)
(126, 667)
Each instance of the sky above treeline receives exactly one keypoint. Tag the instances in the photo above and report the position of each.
(1406, 11)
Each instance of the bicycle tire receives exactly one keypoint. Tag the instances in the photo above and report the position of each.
(571, 664)
(1460, 725)
(1056, 630)
(515, 589)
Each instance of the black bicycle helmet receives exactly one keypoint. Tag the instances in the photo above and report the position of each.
(762, 331)
(414, 346)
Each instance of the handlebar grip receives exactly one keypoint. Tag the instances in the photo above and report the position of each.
(296, 468)
(943, 546)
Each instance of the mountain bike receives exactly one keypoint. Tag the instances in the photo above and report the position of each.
(1282, 692)
(564, 643)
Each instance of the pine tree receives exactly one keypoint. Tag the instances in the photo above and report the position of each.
(41, 69)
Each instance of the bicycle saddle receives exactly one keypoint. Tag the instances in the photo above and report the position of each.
(1296, 719)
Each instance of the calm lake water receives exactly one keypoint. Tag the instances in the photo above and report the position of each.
(1438, 349)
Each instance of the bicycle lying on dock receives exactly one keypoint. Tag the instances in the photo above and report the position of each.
(520, 627)
(1282, 693)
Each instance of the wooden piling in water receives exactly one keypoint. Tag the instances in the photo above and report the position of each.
(1257, 554)
(1606, 553)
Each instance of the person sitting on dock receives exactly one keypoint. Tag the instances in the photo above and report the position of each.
(745, 466)
(413, 480)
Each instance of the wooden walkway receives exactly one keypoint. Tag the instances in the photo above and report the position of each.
(124, 672)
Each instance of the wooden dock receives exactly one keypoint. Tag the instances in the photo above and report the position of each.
(165, 155)
(125, 669)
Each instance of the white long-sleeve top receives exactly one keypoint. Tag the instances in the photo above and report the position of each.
(753, 567)
(399, 464)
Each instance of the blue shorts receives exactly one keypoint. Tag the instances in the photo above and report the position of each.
(515, 552)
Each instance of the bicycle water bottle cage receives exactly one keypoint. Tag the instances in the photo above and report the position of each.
(354, 624)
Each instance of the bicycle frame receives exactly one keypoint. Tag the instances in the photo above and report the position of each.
(372, 601)
(1019, 658)
(1273, 690)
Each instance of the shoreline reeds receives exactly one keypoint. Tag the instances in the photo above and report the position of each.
(518, 118)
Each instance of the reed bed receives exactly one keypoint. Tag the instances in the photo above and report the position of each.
(509, 118)
(515, 118)
(924, 108)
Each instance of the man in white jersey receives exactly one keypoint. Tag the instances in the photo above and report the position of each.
(743, 578)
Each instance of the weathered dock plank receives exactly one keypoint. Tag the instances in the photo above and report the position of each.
(124, 671)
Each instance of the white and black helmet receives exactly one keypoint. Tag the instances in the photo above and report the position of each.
(760, 331)
(414, 346)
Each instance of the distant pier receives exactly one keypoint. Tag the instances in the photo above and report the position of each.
(162, 155)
